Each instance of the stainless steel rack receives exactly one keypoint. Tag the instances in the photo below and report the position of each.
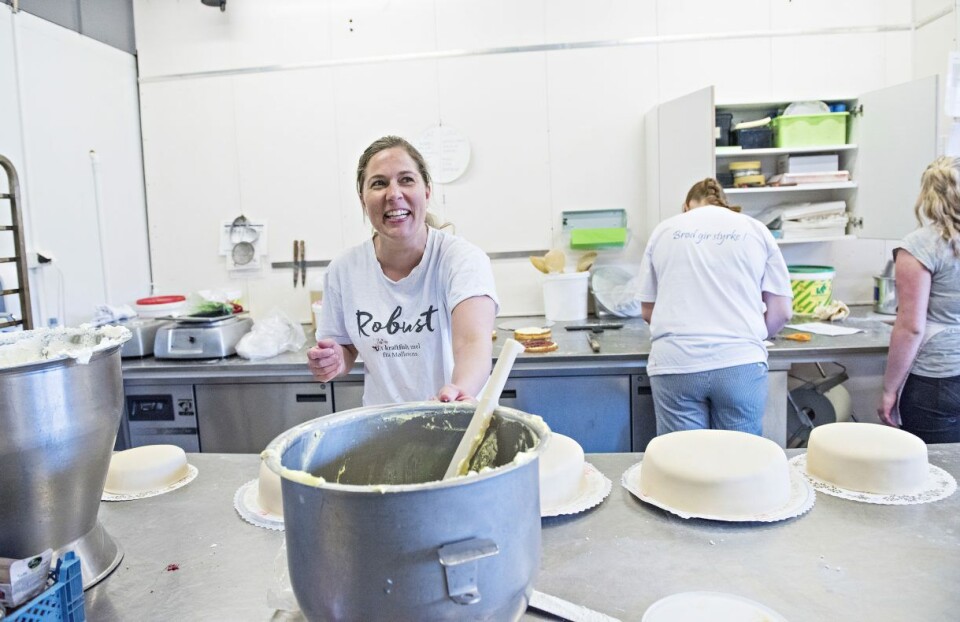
(22, 290)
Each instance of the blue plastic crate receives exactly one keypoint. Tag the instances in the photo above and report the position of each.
(62, 601)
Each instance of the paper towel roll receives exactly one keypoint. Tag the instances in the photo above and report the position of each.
(829, 407)
(821, 408)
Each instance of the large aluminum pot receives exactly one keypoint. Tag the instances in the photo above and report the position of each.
(885, 295)
(58, 423)
(381, 537)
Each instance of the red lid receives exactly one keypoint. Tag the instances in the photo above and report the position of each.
(160, 300)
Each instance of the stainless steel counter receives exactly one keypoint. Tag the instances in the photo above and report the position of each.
(623, 350)
(617, 371)
(841, 561)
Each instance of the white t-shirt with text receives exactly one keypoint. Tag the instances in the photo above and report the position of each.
(705, 270)
(402, 329)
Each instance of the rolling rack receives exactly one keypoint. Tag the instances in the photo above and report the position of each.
(19, 252)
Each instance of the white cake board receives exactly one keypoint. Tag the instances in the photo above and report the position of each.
(247, 506)
(180, 483)
(802, 498)
(940, 485)
(594, 488)
(715, 606)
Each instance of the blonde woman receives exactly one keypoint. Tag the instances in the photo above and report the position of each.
(415, 303)
(923, 366)
(714, 285)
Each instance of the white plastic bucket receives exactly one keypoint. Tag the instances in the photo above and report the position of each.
(812, 286)
(565, 296)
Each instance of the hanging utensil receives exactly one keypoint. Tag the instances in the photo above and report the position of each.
(303, 264)
(476, 431)
(296, 262)
(243, 236)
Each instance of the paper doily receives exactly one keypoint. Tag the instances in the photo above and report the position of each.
(594, 488)
(246, 505)
(940, 485)
(802, 498)
(180, 483)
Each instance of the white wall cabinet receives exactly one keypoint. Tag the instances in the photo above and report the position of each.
(892, 138)
(69, 122)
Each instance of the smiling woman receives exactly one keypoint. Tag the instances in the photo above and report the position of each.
(415, 302)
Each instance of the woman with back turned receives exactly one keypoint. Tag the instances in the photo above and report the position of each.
(713, 286)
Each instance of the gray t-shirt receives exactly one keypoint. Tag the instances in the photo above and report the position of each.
(940, 356)
(402, 329)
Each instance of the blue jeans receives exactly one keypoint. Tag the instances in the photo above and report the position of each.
(930, 408)
(732, 398)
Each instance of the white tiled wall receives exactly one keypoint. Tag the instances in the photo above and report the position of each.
(740, 69)
(553, 130)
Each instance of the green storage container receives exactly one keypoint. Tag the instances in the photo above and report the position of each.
(811, 130)
(604, 237)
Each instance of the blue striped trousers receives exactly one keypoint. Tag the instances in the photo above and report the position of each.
(731, 398)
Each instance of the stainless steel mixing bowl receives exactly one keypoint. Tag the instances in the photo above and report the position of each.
(381, 537)
(59, 420)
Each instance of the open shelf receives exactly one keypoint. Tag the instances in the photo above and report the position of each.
(846, 185)
(727, 152)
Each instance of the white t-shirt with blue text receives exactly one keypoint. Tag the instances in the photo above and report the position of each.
(402, 329)
(705, 270)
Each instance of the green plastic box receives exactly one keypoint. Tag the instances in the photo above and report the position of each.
(606, 237)
(810, 130)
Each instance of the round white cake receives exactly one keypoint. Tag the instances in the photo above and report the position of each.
(268, 491)
(561, 470)
(716, 473)
(868, 458)
(143, 469)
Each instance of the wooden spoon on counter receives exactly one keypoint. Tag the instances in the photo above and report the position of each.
(480, 421)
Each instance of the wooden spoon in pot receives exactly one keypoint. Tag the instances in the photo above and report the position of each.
(489, 398)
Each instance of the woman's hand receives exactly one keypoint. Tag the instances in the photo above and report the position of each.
(453, 393)
(888, 411)
(326, 360)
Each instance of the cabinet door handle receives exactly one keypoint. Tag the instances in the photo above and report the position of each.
(311, 397)
(508, 394)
